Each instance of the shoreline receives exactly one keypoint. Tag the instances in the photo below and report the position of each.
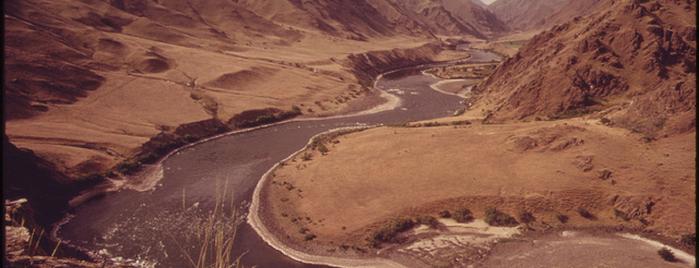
(435, 87)
(255, 221)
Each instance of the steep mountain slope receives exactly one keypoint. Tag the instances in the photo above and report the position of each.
(537, 14)
(634, 62)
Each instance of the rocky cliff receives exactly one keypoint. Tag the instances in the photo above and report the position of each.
(632, 61)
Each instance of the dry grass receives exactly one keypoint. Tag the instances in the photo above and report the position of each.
(534, 167)
(216, 235)
(161, 81)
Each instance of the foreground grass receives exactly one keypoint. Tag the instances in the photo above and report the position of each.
(216, 236)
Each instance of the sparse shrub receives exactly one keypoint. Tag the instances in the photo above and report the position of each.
(689, 239)
(463, 215)
(388, 232)
(265, 119)
(189, 138)
(148, 157)
(586, 214)
(562, 218)
(495, 217)
(306, 157)
(127, 167)
(459, 123)
(309, 237)
(430, 221)
(667, 255)
(526, 217)
(295, 109)
(322, 148)
(445, 214)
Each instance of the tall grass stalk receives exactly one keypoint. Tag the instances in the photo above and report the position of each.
(184, 203)
(217, 236)
(56, 248)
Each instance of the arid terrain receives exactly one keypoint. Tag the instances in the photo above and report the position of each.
(582, 136)
(547, 168)
(100, 87)
(600, 135)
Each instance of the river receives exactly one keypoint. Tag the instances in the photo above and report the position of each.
(153, 227)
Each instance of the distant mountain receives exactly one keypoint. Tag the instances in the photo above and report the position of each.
(451, 17)
(366, 18)
(538, 14)
(632, 62)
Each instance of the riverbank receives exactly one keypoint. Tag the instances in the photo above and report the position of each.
(583, 178)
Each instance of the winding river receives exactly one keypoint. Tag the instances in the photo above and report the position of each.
(154, 227)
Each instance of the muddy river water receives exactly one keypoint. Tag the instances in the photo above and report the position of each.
(156, 227)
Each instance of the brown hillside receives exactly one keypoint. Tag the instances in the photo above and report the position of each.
(540, 14)
(88, 83)
(633, 62)
(449, 17)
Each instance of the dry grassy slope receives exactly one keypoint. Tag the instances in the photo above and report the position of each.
(88, 82)
(538, 14)
(370, 18)
(542, 167)
(634, 61)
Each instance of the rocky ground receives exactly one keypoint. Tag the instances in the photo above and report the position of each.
(25, 243)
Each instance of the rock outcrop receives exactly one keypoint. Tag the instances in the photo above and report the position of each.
(632, 61)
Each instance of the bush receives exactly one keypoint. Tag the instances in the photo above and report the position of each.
(586, 214)
(322, 148)
(526, 217)
(189, 138)
(309, 237)
(667, 255)
(459, 123)
(390, 230)
(562, 218)
(495, 217)
(306, 156)
(445, 214)
(689, 239)
(295, 109)
(127, 167)
(430, 221)
(463, 215)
